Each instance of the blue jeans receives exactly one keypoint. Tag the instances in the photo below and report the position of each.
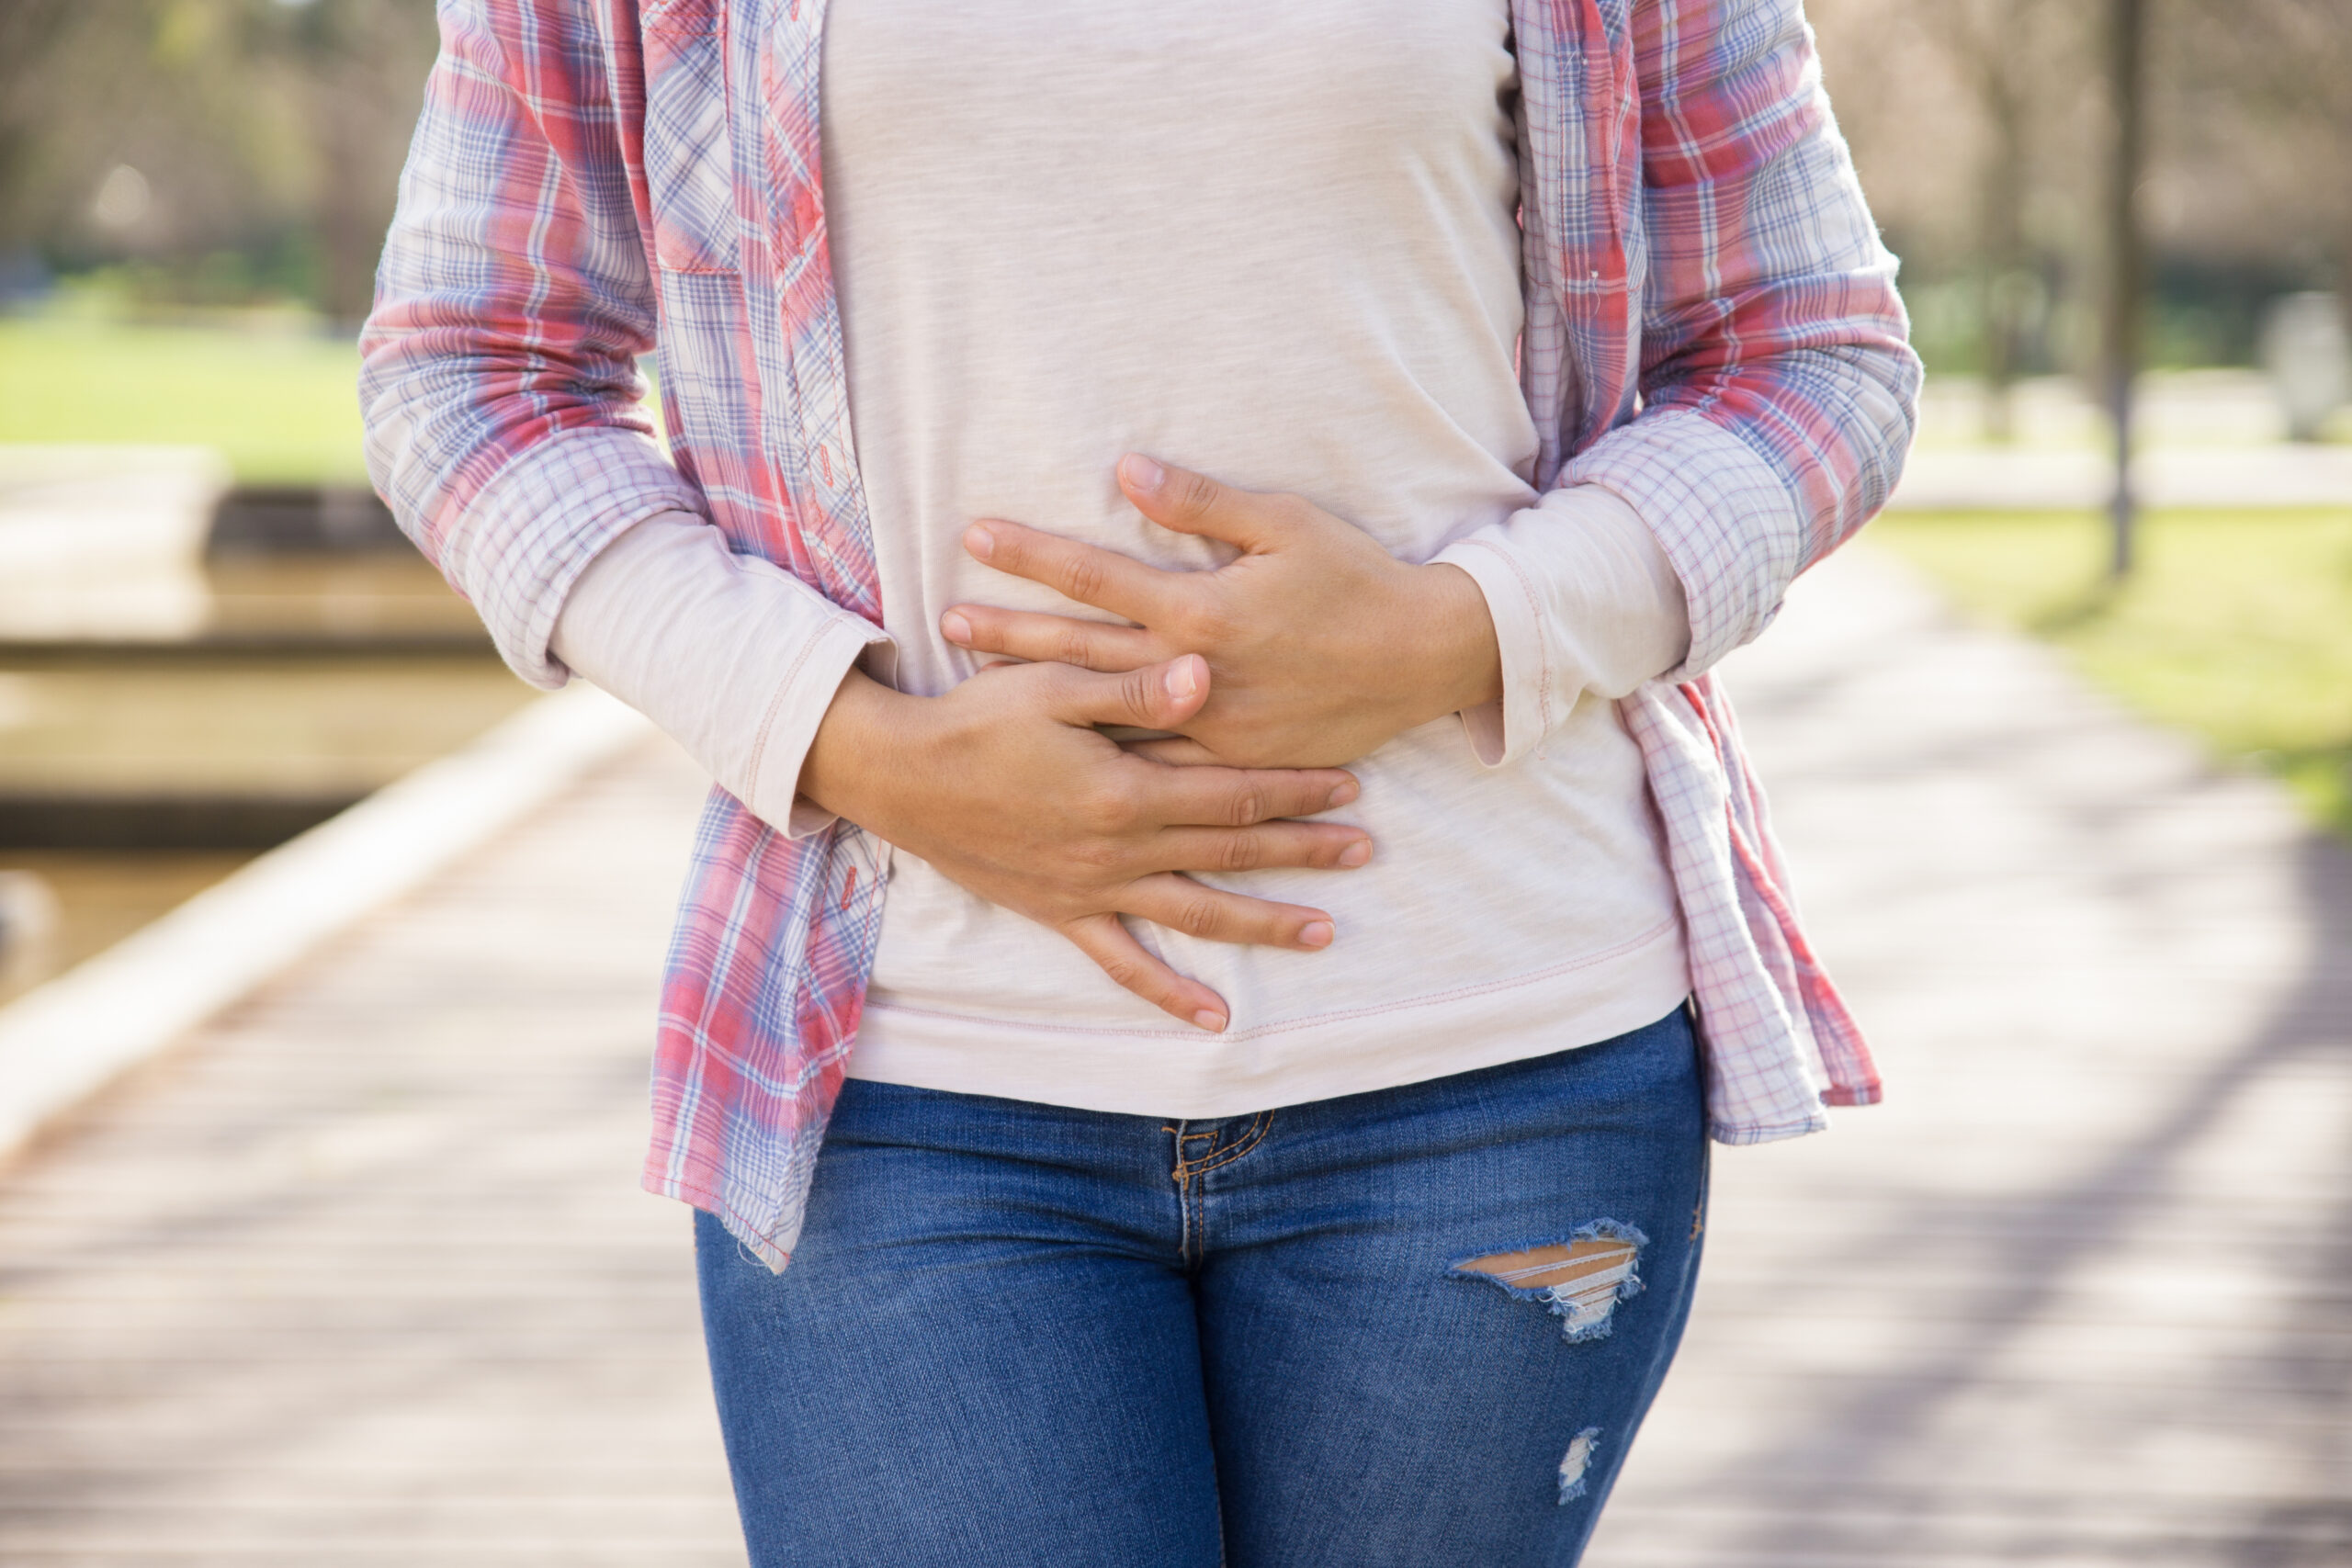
(1417, 1326)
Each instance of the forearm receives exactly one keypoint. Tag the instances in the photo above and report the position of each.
(865, 748)
(1583, 600)
(1776, 387)
(1460, 652)
(736, 659)
(499, 381)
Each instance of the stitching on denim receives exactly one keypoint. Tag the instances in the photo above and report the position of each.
(1191, 1243)
(1181, 1174)
(1242, 1146)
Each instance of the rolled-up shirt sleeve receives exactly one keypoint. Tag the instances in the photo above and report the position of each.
(733, 658)
(1585, 603)
(499, 383)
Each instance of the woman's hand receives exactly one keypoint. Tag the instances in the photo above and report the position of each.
(1005, 785)
(1323, 647)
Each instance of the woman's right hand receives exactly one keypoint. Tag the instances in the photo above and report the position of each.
(1004, 784)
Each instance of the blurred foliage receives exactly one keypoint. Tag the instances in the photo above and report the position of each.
(271, 132)
(1980, 129)
(263, 130)
(276, 396)
(2237, 626)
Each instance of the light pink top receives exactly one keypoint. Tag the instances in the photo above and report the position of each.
(1108, 230)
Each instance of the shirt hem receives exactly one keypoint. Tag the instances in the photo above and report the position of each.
(1185, 1073)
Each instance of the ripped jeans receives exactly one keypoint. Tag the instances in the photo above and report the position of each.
(1412, 1327)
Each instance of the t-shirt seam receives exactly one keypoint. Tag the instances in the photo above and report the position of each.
(1543, 649)
(784, 690)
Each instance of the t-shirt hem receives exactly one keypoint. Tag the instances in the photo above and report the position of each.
(1181, 1073)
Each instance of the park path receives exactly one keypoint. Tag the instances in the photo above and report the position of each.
(2080, 1292)
(361, 1276)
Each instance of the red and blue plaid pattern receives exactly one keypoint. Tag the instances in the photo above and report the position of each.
(593, 176)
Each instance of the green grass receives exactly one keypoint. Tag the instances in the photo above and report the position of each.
(2237, 626)
(282, 405)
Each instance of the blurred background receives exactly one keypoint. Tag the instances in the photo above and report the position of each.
(211, 635)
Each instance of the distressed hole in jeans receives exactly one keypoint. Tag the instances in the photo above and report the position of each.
(1582, 1279)
(1576, 1462)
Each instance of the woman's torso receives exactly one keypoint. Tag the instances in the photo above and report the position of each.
(1277, 245)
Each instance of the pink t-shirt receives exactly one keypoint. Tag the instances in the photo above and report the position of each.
(1278, 245)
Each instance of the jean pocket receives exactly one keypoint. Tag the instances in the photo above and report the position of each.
(689, 143)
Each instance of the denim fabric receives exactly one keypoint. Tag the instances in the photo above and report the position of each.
(1022, 1335)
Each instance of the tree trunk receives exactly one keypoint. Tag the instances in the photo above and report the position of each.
(31, 32)
(2004, 278)
(2127, 262)
(350, 227)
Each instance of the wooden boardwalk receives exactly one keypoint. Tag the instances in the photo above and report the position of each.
(361, 1276)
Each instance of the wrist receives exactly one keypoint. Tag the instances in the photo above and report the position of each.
(1456, 655)
(865, 744)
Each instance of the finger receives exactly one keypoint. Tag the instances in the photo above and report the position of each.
(1042, 639)
(1320, 846)
(1128, 962)
(1090, 575)
(1235, 797)
(1213, 915)
(1176, 750)
(1158, 696)
(1194, 503)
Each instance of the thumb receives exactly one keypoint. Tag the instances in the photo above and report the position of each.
(1158, 696)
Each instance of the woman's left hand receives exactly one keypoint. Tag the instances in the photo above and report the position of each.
(1322, 647)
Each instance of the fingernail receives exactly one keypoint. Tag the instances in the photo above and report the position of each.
(980, 541)
(1211, 1021)
(1316, 934)
(1342, 794)
(1142, 472)
(954, 628)
(1356, 854)
(1183, 680)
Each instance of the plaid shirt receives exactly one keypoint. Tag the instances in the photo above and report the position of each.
(592, 177)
